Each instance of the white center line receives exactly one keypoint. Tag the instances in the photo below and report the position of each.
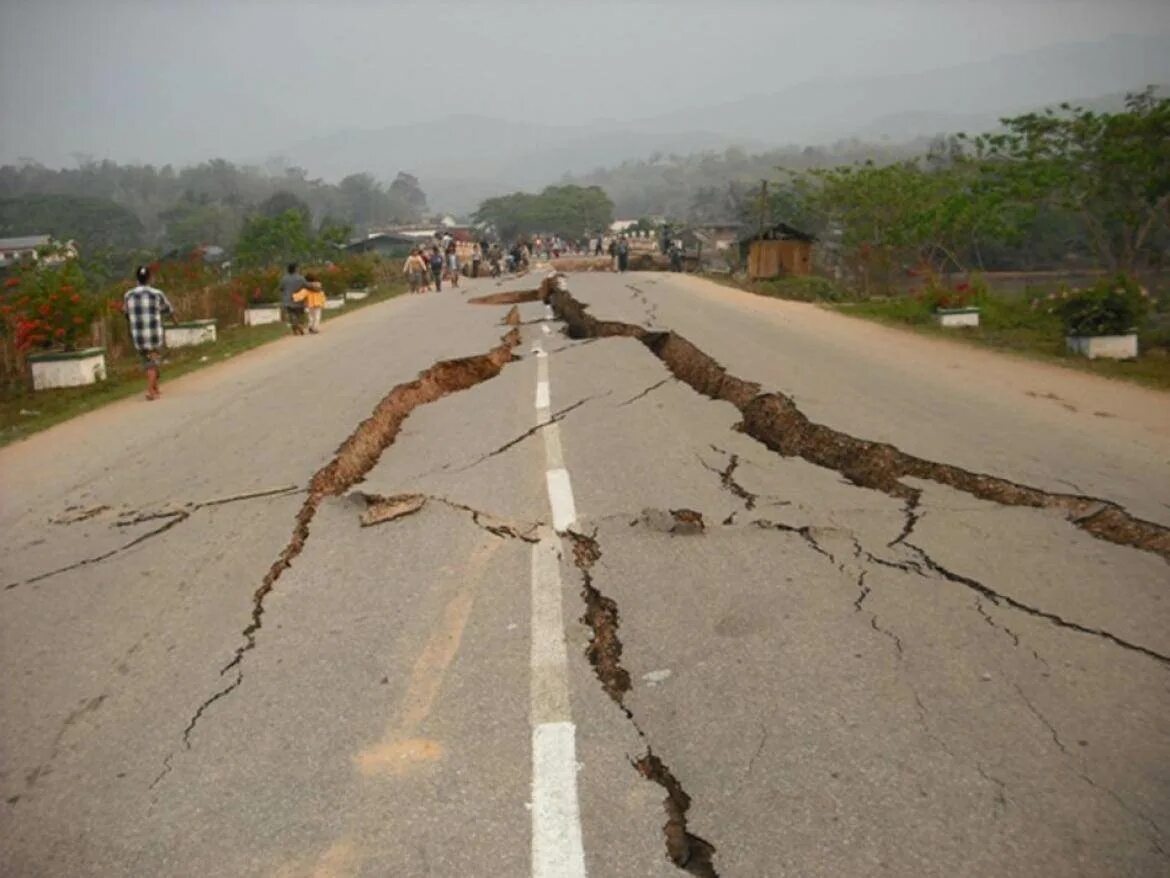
(557, 847)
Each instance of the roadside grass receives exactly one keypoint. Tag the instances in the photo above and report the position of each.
(1011, 325)
(24, 412)
(1007, 323)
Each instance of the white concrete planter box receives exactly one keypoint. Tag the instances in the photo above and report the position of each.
(956, 316)
(258, 315)
(335, 302)
(191, 333)
(356, 295)
(1109, 347)
(68, 368)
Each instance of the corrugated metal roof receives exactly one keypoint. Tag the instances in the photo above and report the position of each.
(26, 242)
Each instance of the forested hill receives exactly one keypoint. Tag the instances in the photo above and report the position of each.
(105, 205)
(714, 186)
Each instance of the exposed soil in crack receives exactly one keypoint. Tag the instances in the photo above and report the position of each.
(601, 615)
(775, 420)
(727, 479)
(687, 851)
(356, 456)
(517, 298)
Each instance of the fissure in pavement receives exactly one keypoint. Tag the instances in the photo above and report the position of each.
(777, 422)
(689, 852)
(356, 456)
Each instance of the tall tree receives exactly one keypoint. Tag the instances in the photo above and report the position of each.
(1111, 170)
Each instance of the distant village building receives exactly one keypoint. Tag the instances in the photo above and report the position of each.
(388, 243)
(776, 251)
(36, 248)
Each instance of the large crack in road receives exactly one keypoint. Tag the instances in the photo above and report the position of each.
(774, 420)
(356, 456)
(689, 852)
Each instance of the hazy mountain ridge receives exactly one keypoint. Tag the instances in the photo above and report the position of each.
(462, 159)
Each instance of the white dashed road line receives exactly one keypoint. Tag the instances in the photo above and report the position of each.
(557, 847)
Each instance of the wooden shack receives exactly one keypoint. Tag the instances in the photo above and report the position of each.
(778, 251)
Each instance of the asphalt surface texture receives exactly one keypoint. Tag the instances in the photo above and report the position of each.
(463, 588)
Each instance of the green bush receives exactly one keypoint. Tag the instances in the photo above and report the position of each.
(1109, 307)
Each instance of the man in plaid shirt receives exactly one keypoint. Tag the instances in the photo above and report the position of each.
(145, 308)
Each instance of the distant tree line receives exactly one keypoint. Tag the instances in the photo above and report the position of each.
(107, 206)
(1065, 187)
(569, 211)
(1059, 188)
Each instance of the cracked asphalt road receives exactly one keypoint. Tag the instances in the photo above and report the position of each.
(804, 653)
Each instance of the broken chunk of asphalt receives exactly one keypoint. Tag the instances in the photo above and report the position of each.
(775, 420)
(379, 509)
(517, 298)
(687, 851)
(356, 456)
(681, 522)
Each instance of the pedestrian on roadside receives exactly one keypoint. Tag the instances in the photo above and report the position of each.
(145, 307)
(598, 251)
(436, 263)
(414, 268)
(476, 259)
(294, 312)
(623, 254)
(453, 264)
(313, 298)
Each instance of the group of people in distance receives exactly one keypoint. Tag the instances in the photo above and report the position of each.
(425, 268)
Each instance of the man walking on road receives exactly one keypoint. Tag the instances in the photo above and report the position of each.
(294, 311)
(436, 263)
(145, 308)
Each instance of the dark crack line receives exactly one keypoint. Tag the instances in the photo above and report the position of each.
(999, 598)
(647, 391)
(805, 532)
(222, 693)
(913, 516)
(998, 627)
(897, 641)
(175, 519)
(529, 433)
(1125, 806)
(1001, 801)
(688, 852)
(577, 343)
(863, 592)
(727, 478)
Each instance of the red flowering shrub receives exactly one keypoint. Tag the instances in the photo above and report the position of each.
(938, 293)
(45, 306)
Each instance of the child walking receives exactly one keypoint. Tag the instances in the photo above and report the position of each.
(314, 298)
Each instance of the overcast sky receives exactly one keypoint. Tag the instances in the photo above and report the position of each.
(176, 80)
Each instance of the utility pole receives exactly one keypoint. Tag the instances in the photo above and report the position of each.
(763, 206)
